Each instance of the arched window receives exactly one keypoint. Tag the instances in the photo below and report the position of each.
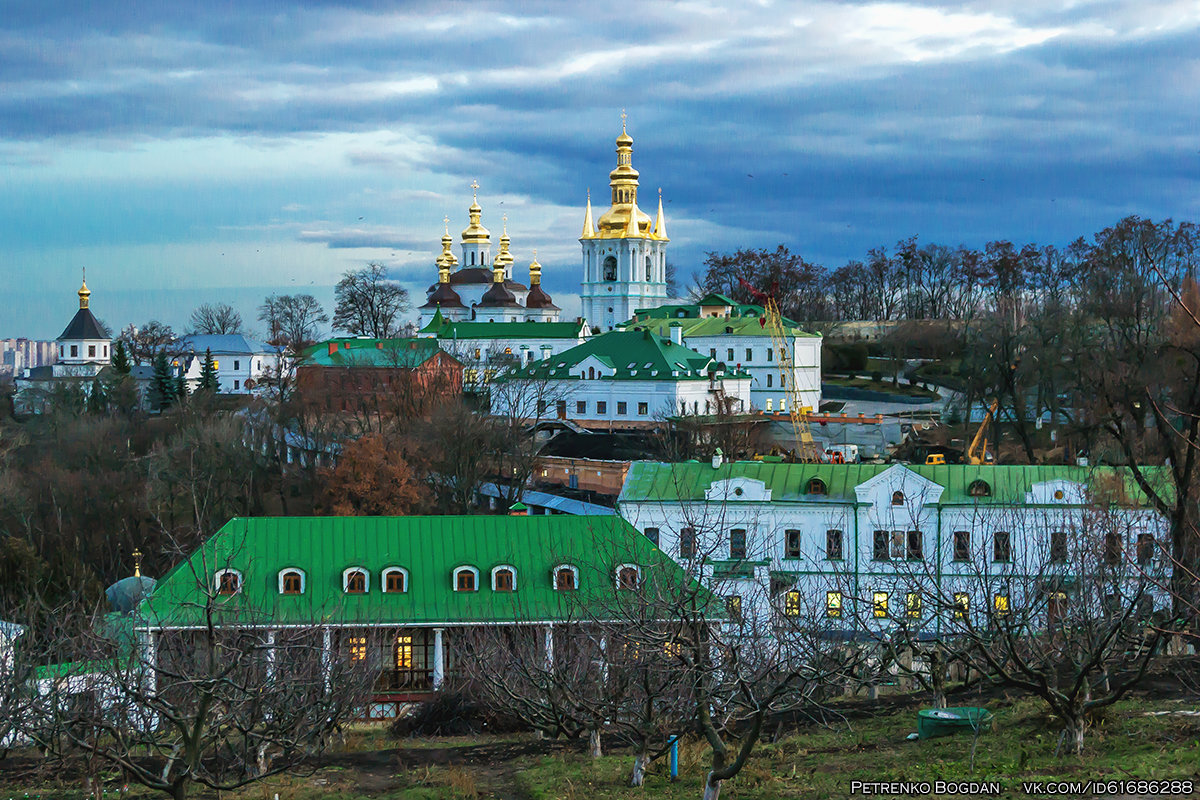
(610, 268)
(466, 579)
(355, 581)
(504, 578)
(979, 488)
(566, 578)
(817, 486)
(227, 581)
(395, 580)
(629, 576)
(472, 259)
(291, 581)
(897, 498)
(591, 373)
(649, 269)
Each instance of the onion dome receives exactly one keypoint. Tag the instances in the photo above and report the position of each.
(504, 258)
(498, 296)
(475, 232)
(537, 297)
(84, 292)
(623, 217)
(443, 295)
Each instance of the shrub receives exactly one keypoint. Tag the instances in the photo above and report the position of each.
(452, 713)
(876, 377)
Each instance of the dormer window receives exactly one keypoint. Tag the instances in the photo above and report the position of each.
(979, 488)
(355, 581)
(395, 580)
(897, 498)
(629, 576)
(227, 581)
(566, 578)
(291, 581)
(466, 579)
(504, 578)
(816, 485)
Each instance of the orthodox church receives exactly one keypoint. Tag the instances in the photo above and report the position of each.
(83, 347)
(483, 289)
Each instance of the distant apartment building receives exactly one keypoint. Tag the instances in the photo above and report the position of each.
(19, 354)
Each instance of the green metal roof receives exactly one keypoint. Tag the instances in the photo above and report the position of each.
(430, 548)
(364, 352)
(713, 326)
(653, 481)
(635, 355)
(683, 311)
(510, 330)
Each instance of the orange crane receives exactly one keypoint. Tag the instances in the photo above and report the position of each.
(807, 449)
(977, 453)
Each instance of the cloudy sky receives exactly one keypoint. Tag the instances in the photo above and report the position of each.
(195, 152)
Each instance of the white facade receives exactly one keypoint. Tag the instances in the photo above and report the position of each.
(621, 276)
(757, 356)
(243, 365)
(881, 551)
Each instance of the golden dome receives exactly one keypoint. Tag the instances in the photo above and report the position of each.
(504, 258)
(475, 232)
(535, 271)
(447, 243)
(623, 217)
(84, 292)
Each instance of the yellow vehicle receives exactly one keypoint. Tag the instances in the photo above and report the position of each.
(935, 459)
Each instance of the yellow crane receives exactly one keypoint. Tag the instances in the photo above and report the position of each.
(977, 452)
(807, 450)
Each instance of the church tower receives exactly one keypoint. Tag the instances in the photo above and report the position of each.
(476, 239)
(625, 252)
(83, 349)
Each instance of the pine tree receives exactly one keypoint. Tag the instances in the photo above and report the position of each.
(209, 382)
(181, 390)
(120, 359)
(162, 385)
(97, 399)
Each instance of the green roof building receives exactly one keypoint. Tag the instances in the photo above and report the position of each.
(395, 590)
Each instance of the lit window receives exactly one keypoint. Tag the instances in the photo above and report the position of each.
(962, 604)
(1000, 604)
(768, 404)
(291, 581)
(733, 605)
(229, 581)
(879, 604)
(566, 578)
(912, 603)
(504, 579)
(358, 648)
(395, 580)
(404, 651)
(833, 604)
(465, 580)
(792, 603)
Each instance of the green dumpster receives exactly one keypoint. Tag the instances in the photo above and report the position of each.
(933, 722)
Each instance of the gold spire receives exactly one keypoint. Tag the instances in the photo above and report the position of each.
(660, 223)
(589, 229)
(623, 217)
(84, 291)
(535, 271)
(475, 232)
(137, 563)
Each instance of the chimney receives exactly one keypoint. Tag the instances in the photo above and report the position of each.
(718, 459)
(676, 333)
(332, 348)
(545, 352)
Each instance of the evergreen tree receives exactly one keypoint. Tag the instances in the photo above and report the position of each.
(181, 390)
(209, 382)
(97, 399)
(120, 359)
(163, 391)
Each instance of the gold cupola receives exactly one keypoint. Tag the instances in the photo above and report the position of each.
(446, 261)
(504, 259)
(84, 292)
(475, 232)
(623, 217)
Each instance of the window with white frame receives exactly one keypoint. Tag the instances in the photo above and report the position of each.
(628, 576)
(466, 579)
(566, 578)
(356, 580)
(395, 580)
(227, 581)
(291, 580)
(504, 578)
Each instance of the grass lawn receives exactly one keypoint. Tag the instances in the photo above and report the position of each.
(817, 762)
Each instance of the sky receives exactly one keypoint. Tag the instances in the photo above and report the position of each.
(220, 151)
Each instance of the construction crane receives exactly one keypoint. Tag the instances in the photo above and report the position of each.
(977, 452)
(807, 449)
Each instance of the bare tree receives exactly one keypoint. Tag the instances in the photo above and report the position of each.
(368, 303)
(293, 321)
(145, 343)
(215, 318)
